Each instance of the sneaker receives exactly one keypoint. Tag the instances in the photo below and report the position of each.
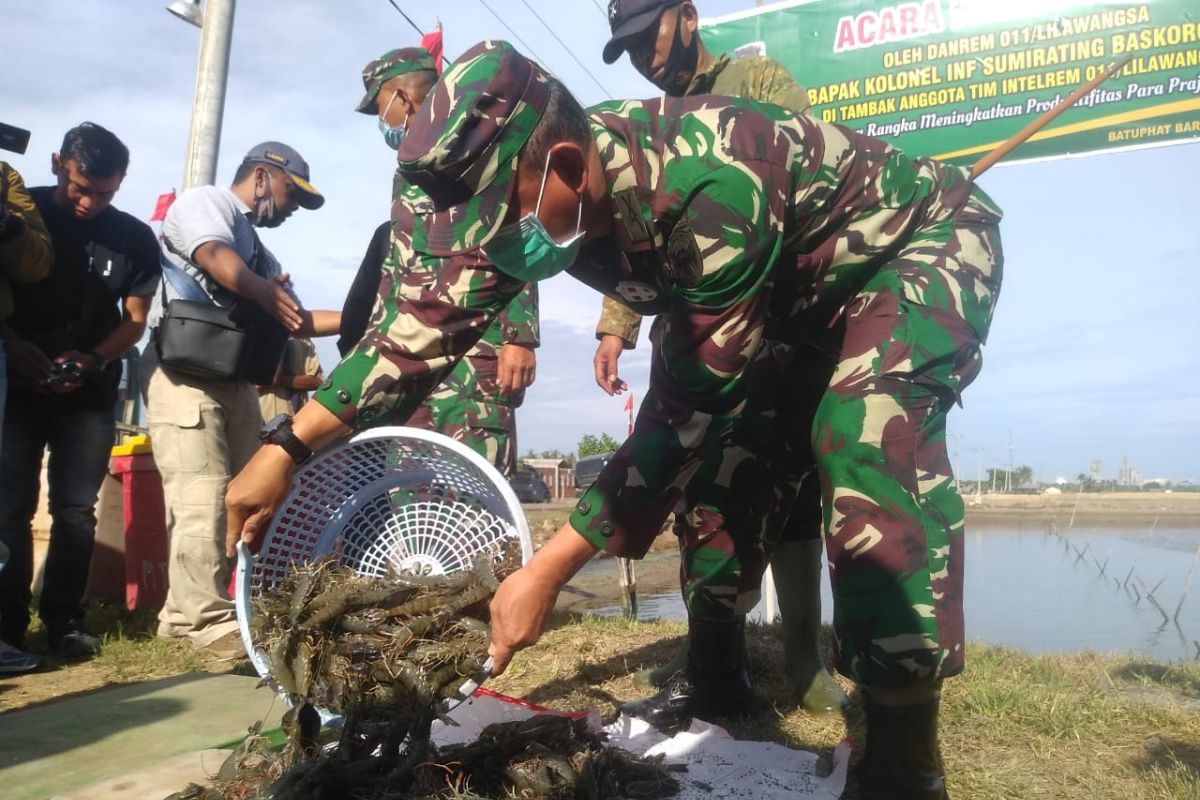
(226, 647)
(13, 660)
(72, 641)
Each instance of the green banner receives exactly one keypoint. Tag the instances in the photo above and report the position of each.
(953, 79)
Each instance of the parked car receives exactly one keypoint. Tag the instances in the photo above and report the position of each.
(529, 486)
(587, 469)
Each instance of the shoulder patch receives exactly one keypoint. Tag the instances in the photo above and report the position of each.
(684, 262)
(630, 210)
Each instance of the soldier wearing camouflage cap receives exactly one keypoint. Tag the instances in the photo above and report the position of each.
(476, 403)
(743, 247)
(662, 38)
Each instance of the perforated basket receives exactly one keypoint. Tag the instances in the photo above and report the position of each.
(387, 500)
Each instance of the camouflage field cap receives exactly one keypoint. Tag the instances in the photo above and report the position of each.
(462, 145)
(390, 65)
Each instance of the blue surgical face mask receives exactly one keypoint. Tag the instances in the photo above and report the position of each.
(392, 136)
(524, 249)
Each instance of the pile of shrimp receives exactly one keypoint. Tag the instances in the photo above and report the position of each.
(384, 654)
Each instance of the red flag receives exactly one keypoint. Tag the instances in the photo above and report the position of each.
(629, 402)
(160, 208)
(629, 408)
(432, 42)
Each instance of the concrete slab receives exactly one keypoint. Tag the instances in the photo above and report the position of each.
(156, 782)
(62, 746)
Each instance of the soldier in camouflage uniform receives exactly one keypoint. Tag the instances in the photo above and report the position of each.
(744, 228)
(476, 404)
(664, 44)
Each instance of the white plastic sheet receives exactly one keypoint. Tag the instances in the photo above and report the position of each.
(717, 765)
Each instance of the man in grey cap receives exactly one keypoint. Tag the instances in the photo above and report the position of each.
(204, 429)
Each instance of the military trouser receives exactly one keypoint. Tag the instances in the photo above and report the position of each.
(892, 520)
(760, 478)
(457, 408)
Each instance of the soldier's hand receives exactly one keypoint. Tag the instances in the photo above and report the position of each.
(255, 495)
(608, 353)
(515, 368)
(523, 602)
(519, 610)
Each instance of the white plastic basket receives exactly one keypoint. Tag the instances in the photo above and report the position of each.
(388, 500)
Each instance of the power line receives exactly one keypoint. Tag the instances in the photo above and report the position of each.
(603, 13)
(570, 52)
(516, 35)
(408, 19)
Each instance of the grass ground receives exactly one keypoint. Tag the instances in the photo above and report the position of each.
(1080, 727)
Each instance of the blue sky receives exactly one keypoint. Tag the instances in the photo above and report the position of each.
(1092, 354)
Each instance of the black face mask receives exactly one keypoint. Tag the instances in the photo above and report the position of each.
(680, 66)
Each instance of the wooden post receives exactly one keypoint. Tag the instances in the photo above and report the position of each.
(1150, 597)
(770, 599)
(1187, 587)
(628, 581)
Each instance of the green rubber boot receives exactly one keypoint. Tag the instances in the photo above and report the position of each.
(657, 677)
(796, 567)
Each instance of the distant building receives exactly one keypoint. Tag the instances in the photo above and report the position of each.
(1128, 476)
(558, 475)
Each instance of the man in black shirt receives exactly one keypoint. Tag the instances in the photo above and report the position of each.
(64, 342)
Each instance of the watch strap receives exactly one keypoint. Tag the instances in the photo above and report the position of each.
(286, 438)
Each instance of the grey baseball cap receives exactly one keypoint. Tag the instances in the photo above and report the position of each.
(278, 154)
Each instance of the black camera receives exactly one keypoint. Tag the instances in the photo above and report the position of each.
(13, 138)
(66, 372)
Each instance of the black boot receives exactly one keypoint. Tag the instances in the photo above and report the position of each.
(715, 682)
(901, 760)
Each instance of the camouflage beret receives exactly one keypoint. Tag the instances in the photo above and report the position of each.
(389, 65)
(462, 145)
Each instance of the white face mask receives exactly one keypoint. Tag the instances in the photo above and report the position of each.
(264, 205)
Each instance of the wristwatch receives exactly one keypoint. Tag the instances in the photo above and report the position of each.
(279, 431)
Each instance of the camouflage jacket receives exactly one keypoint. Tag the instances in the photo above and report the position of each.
(740, 225)
(517, 324)
(735, 222)
(751, 78)
(25, 249)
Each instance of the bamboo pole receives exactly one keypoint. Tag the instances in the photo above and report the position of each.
(1019, 138)
(1187, 587)
(1150, 597)
(1078, 495)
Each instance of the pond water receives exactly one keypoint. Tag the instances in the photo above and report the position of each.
(1034, 590)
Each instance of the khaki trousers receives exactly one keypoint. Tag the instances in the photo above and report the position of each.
(203, 432)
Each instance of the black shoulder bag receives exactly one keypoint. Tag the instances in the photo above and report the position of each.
(200, 338)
